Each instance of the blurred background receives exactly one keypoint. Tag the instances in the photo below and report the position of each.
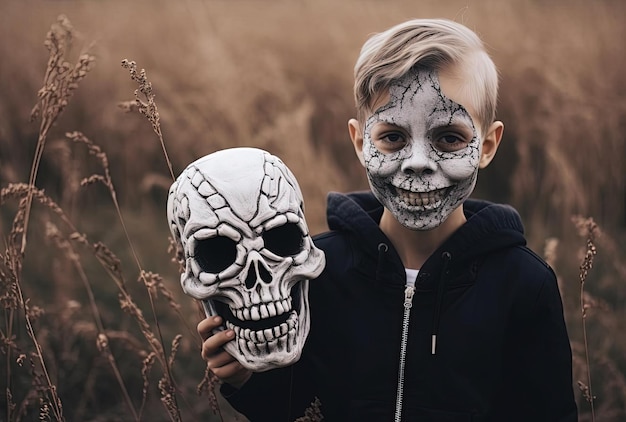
(278, 75)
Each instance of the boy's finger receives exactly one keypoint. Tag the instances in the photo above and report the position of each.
(207, 325)
(218, 360)
(231, 372)
(215, 342)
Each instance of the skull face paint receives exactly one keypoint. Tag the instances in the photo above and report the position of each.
(421, 152)
(238, 216)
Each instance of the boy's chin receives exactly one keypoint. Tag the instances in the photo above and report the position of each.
(420, 225)
(421, 217)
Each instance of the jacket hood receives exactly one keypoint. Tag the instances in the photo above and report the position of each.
(489, 226)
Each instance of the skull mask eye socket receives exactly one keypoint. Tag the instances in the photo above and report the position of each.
(285, 240)
(215, 254)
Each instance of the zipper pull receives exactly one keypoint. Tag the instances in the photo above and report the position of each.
(408, 297)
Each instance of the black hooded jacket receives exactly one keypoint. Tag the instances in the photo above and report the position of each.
(501, 354)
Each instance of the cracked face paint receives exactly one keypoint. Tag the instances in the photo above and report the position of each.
(421, 152)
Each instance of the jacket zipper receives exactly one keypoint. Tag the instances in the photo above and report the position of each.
(408, 303)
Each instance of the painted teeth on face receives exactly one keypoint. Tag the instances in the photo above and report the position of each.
(427, 200)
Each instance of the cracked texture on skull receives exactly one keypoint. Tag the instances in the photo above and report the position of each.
(421, 152)
(238, 216)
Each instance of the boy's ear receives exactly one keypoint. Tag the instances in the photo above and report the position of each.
(490, 143)
(357, 138)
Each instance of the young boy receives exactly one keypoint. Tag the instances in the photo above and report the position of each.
(431, 307)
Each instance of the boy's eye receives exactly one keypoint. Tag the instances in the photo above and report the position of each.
(393, 138)
(389, 142)
(450, 142)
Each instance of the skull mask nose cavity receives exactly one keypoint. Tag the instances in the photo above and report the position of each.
(257, 272)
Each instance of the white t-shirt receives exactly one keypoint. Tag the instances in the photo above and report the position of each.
(411, 276)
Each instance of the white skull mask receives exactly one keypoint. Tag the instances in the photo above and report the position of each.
(237, 215)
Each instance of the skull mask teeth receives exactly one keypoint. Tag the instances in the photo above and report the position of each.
(237, 215)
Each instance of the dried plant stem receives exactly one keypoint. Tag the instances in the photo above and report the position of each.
(107, 181)
(10, 302)
(52, 391)
(21, 190)
(44, 128)
(589, 228)
(102, 342)
(148, 107)
(313, 413)
(208, 383)
(10, 272)
(13, 263)
(8, 317)
(154, 282)
(60, 81)
(145, 372)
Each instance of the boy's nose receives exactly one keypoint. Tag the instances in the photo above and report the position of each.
(419, 160)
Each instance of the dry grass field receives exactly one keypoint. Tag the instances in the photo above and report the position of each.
(94, 324)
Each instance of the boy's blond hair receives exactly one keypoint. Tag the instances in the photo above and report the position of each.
(436, 44)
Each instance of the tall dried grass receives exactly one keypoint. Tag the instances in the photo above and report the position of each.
(277, 77)
(59, 83)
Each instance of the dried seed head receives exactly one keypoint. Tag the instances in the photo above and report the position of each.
(102, 342)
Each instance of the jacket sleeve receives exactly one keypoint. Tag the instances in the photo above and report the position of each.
(539, 383)
(269, 396)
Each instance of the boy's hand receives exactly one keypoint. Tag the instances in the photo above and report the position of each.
(223, 365)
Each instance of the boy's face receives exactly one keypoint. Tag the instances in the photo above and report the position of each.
(421, 152)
